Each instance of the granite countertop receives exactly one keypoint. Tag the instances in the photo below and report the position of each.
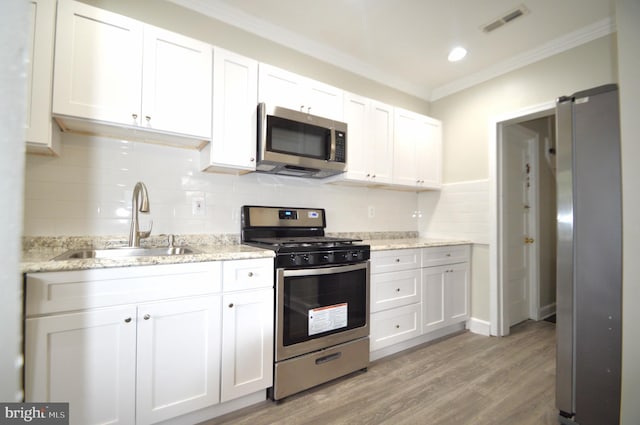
(38, 251)
(408, 243)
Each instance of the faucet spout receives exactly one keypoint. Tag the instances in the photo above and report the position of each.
(139, 203)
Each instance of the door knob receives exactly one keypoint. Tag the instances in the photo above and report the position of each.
(528, 240)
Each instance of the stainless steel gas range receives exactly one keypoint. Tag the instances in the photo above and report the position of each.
(322, 296)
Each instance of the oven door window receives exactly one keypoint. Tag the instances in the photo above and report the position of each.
(299, 139)
(320, 305)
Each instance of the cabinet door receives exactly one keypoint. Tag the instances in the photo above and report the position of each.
(178, 357)
(86, 359)
(280, 88)
(323, 100)
(247, 342)
(235, 99)
(177, 81)
(429, 152)
(357, 115)
(457, 282)
(434, 298)
(381, 137)
(404, 148)
(41, 134)
(98, 64)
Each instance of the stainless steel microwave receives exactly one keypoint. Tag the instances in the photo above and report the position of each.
(295, 143)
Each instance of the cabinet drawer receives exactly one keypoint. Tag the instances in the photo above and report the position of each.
(395, 289)
(393, 326)
(445, 255)
(395, 260)
(247, 274)
(54, 292)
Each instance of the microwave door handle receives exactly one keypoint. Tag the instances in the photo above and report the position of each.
(332, 145)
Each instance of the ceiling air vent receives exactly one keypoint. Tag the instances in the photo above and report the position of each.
(505, 19)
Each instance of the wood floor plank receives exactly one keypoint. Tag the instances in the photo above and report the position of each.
(464, 379)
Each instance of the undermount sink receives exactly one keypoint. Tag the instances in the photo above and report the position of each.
(76, 254)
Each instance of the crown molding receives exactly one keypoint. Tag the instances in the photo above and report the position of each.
(222, 12)
(232, 16)
(569, 41)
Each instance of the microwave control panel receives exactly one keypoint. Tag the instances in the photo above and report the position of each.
(341, 147)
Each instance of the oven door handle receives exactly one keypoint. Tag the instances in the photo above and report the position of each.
(324, 270)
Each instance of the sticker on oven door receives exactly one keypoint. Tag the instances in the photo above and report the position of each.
(327, 318)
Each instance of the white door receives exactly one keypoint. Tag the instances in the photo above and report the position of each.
(278, 87)
(517, 171)
(247, 343)
(324, 100)
(178, 357)
(177, 81)
(98, 64)
(404, 147)
(356, 115)
(86, 359)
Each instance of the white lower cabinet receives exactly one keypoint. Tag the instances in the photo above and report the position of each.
(417, 291)
(247, 342)
(87, 359)
(148, 343)
(178, 357)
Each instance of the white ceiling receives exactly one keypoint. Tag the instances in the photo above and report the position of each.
(405, 43)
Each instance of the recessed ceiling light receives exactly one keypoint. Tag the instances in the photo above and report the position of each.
(457, 53)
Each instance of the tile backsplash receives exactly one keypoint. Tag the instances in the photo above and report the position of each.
(88, 189)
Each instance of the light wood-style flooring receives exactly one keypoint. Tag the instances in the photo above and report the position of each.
(466, 379)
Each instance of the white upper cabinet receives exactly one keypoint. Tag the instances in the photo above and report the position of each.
(99, 63)
(283, 88)
(235, 102)
(417, 151)
(176, 83)
(369, 140)
(42, 134)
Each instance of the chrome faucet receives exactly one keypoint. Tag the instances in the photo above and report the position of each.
(142, 205)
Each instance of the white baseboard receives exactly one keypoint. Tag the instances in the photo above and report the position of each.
(480, 327)
(546, 311)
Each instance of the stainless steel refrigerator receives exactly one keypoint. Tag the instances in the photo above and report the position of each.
(589, 263)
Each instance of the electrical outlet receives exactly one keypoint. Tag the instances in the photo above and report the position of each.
(197, 206)
(372, 211)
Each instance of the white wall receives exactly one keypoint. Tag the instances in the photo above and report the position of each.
(87, 191)
(466, 116)
(13, 21)
(628, 17)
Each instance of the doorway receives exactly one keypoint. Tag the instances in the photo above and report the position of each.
(522, 251)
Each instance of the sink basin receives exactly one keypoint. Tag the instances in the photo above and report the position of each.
(76, 254)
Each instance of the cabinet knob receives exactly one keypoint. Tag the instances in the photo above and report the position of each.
(448, 254)
(373, 177)
(127, 320)
(309, 110)
(134, 116)
(397, 326)
(301, 108)
(231, 305)
(397, 289)
(397, 260)
(250, 274)
(146, 317)
(252, 159)
(368, 175)
(147, 117)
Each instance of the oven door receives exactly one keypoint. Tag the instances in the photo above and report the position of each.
(320, 307)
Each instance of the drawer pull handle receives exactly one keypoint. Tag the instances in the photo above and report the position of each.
(449, 254)
(330, 357)
(147, 317)
(127, 320)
